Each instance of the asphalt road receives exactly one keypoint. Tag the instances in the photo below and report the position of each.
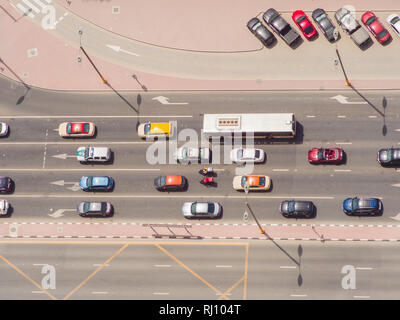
(180, 270)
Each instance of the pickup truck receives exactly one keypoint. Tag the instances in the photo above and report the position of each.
(280, 26)
(351, 26)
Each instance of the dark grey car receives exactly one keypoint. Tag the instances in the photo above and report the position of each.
(297, 209)
(389, 157)
(281, 26)
(324, 23)
(261, 32)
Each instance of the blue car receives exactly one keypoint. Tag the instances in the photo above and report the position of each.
(362, 206)
(93, 183)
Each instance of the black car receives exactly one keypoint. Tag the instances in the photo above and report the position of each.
(5, 184)
(261, 32)
(324, 23)
(297, 209)
(389, 157)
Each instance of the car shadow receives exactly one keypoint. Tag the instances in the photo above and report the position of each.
(297, 43)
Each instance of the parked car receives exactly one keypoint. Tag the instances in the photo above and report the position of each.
(93, 154)
(170, 183)
(280, 26)
(255, 183)
(389, 157)
(247, 155)
(324, 23)
(76, 129)
(261, 32)
(304, 24)
(3, 129)
(375, 27)
(325, 155)
(201, 210)
(5, 184)
(193, 155)
(394, 21)
(95, 183)
(102, 209)
(362, 206)
(4, 207)
(297, 209)
(155, 130)
(351, 26)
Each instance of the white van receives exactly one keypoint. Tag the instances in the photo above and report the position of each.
(93, 154)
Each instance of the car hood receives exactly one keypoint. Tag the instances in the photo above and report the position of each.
(383, 155)
(347, 204)
(186, 209)
(313, 154)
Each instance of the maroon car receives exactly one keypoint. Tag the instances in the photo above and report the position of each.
(5, 184)
(322, 155)
(375, 27)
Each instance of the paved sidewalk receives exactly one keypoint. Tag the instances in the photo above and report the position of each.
(319, 232)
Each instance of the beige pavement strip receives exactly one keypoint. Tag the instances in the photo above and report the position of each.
(28, 278)
(73, 142)
(246, 264)
(90, 117)
(96, 271)
(190, 270)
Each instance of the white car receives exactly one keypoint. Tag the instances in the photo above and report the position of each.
(394, 21)
(193, 155)
(243, 155)
(3, 129)
(4, 206)
(93, 154)
(201, 210)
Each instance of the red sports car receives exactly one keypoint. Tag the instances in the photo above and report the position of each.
(375, 27)
(304, 24)
(321, 155)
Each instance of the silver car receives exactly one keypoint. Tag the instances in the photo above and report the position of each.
(247, 155)
(201, 210)
(394, 21)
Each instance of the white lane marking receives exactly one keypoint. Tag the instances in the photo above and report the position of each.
(75, 142)
(64, 156)
(341, 116)
(361, 297)
(161, 293)
(342, 170)
(221, 266)
(37, 291)
(344, 142)
(118, 49)
(280, 170)
(372, 117)
(40, 4)
(30, 5)
(298, 295)
(25, 10)
(287, 267)
(78, 170)
(343, 100)
(310, 116)
(364, 268)
(90, 117)
(45, 148)
(164, 100)
(99, 292)
(162, 265)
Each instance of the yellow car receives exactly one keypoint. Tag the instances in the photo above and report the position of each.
(254, 182)
(76, 129)
(155, 129)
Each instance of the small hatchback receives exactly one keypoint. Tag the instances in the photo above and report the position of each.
(102, 209)
(170, 183)
(297, 209)
(362, 206)
(93, 183)
(5, 184)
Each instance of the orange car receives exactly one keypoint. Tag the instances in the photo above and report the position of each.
(254, 182)
(170, 183)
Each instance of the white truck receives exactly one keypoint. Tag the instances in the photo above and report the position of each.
(260, 125)
(351, 26)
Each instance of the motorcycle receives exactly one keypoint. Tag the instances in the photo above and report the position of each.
(206, 171)
(208, 181)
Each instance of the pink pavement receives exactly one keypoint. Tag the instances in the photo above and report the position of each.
(201, 231)
(55, 66)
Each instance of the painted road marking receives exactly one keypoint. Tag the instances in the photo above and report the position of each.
(342, 170)
(162, 265)
(25, 11)
(361, 297)
(364, 268)
(30, 5)
(118, 49)
(40, 4)
(99, 117)
(161, 293)
(298, 295)
(344, 142)
(75, 142)
(372, 117)
(310, 116)
(223, 266)
(287, 267)
(280, 170)
(341, 116)
(99, 292)
(78, 170)
(164, 100)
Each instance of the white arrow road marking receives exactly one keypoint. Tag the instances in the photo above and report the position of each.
(343, 100)
(396, 217)
(118, 49)
(396, 185)
(63, 156)
(60, 212)
(164, 100)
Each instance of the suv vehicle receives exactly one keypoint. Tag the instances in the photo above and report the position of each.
(261, 32)
(362, 206)
(297, 209)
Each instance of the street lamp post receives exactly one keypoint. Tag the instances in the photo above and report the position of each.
(246, 190)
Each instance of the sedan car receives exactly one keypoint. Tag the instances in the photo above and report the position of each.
(394, 21)
(5, 184)
(261, 32)
(304, 24)
(93, 183)
(324, 23)
(255, 183)
(323, 155)
(103, 209)
(76, 129)
(3, 129)
(297, 209)
(243, 155)
(4, 207)
(362, 206)
(201, 210)
(193, 155)
(170, 183)
(389, 157)
(375, 27)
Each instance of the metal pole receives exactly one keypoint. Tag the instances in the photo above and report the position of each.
(91, 62)
(344, 72)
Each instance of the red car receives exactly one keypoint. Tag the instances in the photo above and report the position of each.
(322, 155)
(375, 27)
(304, 24)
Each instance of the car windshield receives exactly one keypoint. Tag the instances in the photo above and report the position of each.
(308, 30)
(89, 181)
(300, 19)
(257, 153)
(394, 20)
(382, 34)
(390, 154)
(355, 204)
(162, 181)
(291, 207)
(86, 127)
(320, 154)
(262, 181)
(211, 207)
(69, 128)
(86, 206)
(240, 153)
(322, 16)
(86, 152)
(370, 20)
(193, 208)
(147, 128)
(184, 152)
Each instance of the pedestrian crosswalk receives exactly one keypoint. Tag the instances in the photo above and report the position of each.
(32, 7)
